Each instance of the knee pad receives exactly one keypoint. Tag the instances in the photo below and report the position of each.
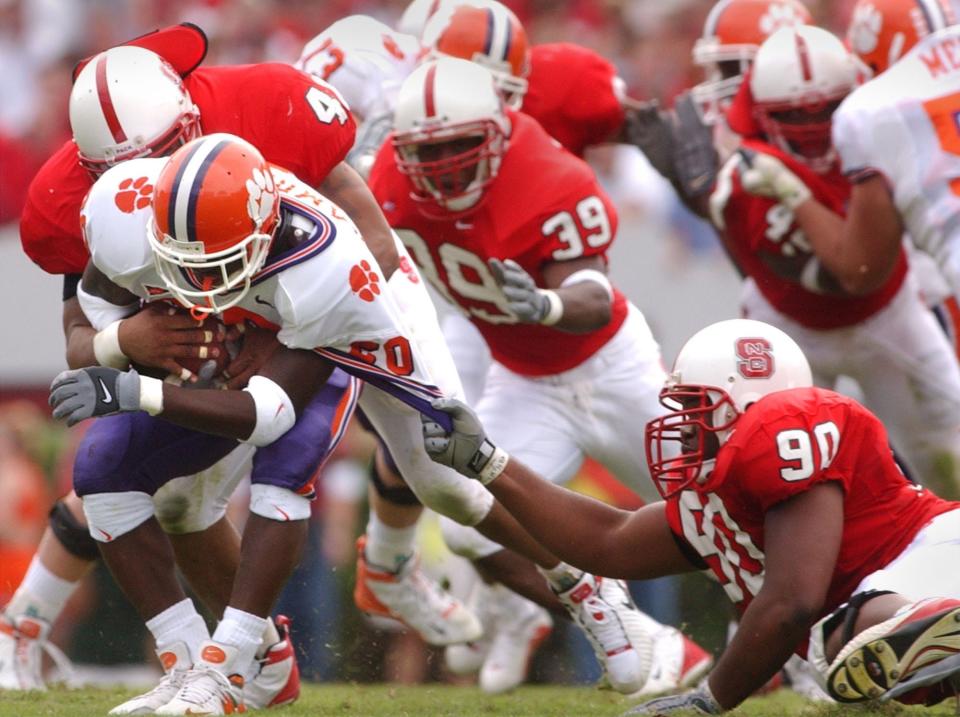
(72, 534)
(110, 515)
(395, 494)
(467, 542)
(845, 618)
(280, 504)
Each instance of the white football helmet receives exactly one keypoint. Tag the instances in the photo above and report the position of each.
(416, 15)
(718, 373)
(450, 133)
(800, 76)
(129, 102)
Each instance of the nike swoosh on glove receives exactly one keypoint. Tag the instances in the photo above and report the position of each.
(95, 391)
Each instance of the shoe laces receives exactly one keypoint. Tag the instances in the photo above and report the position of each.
(602, 624)
(203, 683)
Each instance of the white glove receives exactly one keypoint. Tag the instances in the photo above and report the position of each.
(527, 302)
(767, 176)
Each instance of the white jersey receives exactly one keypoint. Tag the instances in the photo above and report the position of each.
(365, 60)
(323, 294)
(903, 124)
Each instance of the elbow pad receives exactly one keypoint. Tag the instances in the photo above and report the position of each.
(275, 414)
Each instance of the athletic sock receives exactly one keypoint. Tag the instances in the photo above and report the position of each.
(388, 548)
(179, 623)
(243, 631)
(561, 577)
(270, 637)
(41, 594)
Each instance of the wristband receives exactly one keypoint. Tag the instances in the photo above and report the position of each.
(106, 347)
(494, 466)
(151, 395)
(555, 312)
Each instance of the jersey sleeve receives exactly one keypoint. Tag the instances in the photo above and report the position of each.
(314, 132)
(869, 137)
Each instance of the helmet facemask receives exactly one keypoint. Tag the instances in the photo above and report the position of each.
(802, 130)
(725, 67)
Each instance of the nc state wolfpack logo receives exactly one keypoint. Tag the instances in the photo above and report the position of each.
(756, 358)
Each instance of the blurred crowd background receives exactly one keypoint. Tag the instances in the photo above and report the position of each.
(41, 40)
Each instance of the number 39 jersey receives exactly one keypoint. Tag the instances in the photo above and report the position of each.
(544, 206)
(295, 121)
(783, 445)
(322, 292)
(903, 125)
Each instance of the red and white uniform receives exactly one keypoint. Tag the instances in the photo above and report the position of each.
(783, 445)
(310, 137)
(551, 397)
(575, 94)
(887, 341)
(323, 294)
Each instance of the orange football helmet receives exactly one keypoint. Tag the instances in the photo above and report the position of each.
(882, 31)
(732, 34)
(488, 33)
(215, 207)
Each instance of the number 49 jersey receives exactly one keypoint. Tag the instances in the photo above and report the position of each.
(544, 206)
(783, 445)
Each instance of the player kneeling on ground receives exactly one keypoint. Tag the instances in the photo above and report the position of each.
(790, 495)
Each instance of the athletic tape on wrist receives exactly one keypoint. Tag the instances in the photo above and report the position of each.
(106, 347)
(494, 467)
(590, 275)
(555, 312)
(151, 395)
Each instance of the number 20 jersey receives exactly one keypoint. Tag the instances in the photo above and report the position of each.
(904, 125)
(783, 445)
(544, 206)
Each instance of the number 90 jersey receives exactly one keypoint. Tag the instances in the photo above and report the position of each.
(544, 206)
(903, 125)
(784, 444)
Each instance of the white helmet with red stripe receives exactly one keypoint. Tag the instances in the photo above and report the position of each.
(800, 76)
(129, 102)
(416, 15)
(450, 132)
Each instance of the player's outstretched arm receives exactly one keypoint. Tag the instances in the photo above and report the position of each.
(582, 531)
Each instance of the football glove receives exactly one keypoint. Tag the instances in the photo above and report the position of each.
(95, 391)
(651, 130)
(767, 176)
(698, 701)
(527, 302)
(465, 448)
(694, 156)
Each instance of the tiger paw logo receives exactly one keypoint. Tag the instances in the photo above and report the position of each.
(364, 281)
(779, 15)
(865, 26)
(133, 194)
(261, 196)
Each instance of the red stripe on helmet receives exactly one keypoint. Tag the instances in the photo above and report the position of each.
(106, 103)
(804, 52)
(428, 88)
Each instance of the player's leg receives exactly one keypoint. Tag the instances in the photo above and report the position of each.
(229, 663)
(902, 622)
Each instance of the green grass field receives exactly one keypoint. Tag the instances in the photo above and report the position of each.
(395, 701)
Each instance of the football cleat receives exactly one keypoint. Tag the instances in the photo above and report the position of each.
(519, 627)
(881, 657)
(176, 662)
(678, 662)
(607, 614)
(23, 641)
(409, 596)
(277, 681)
(213, 686)
(800, 677)
(466, 658)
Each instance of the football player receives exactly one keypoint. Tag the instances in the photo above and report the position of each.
(790, 496)
(886, 340)
(527, 261)
(272, 247)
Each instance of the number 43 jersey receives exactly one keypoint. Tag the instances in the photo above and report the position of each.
(544, 206)
(783, 445)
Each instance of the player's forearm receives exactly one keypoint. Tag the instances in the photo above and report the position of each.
(586, 307)
(78, 335)
(223, 413)
(770, 630)
(347, 189)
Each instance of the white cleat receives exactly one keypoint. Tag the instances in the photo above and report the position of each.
(607, 614)
(678, 662)
(519, 627)
(176, 663)
(23, 641)
(213, 686)
(466, 658)
(277, 678)
(409, 596)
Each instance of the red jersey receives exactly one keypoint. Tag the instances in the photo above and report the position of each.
(296, 121)
(782, 445)
(766, 242)
(573, 93)
(544, 206)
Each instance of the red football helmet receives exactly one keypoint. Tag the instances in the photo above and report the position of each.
(128, 102)
(732, 34)
(215, 207)
(719, 372)
(882, 31)
(485, 32)
(450, 133)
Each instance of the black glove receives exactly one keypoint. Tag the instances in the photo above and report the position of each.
(695, 158)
